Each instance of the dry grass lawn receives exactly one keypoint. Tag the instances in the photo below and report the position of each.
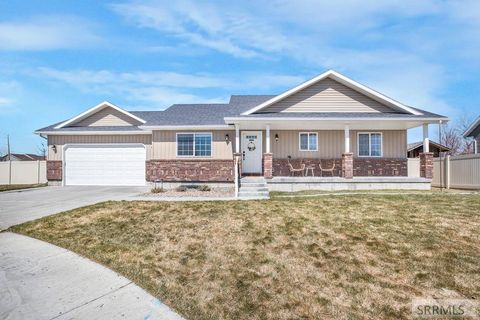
(343, 257)
(9, 187)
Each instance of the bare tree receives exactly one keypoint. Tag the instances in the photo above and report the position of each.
(452, 138)
(42, 149)
(463, 125)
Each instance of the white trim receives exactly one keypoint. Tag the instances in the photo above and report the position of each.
(189, 127)
(308, 133)
(471, 128)
(345, 81)
(267, 138)
(233, 119)
(87, 133)
(75, 145)
(369, 144)
(347, 138)
(96, 108)
(194, 134)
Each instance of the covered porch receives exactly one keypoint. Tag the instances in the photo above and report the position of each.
(331, 150)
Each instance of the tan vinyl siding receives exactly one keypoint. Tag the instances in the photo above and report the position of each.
(327, 96)
(331, 144)
(394, 143)
(107, 117)
(165, 145)
(60, 141)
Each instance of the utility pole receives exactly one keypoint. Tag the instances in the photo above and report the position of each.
(9, 161)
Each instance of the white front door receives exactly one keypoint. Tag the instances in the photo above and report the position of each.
(252, 152)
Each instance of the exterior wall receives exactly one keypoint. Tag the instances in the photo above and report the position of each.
(331, 144)
(107, 117)
(165, 145)
(60, 141)
(190, 170)
(327, 96)
(54, 170)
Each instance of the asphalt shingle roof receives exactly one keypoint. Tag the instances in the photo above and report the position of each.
(214, 114)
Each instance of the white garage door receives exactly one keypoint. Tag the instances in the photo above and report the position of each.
(100, 165)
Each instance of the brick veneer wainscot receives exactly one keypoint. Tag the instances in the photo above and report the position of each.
(380, 167)
(190, 170)
(54, 170)
(280, 166)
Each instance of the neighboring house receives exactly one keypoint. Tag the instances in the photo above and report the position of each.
(21, 157)
(327, 120)
(474, 132)
(415, 149)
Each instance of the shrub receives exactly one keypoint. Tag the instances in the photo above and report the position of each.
(181, 189)
(157, 190)
(204, 187)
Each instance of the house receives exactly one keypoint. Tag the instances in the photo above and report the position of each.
(21, 157)
(474, 132)
(330, 120)
(416, 148)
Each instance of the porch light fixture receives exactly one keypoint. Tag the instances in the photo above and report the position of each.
(227, 138)
(276, 136)
(54, 148)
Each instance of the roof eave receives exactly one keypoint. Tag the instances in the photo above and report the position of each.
(472, 127)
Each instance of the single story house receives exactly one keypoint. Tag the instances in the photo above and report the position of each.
(474, 132)
(329, 125)
(416, 148)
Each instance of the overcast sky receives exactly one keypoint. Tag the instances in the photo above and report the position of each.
(58, 58)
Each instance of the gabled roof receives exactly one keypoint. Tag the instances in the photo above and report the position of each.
(95, 109)
(475, 125)
(343, 80)
(415, 145)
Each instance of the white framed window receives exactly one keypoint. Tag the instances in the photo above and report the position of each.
(308, 141)
(194, 144)
(370, 144)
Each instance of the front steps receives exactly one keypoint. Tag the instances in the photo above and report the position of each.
(253, 188)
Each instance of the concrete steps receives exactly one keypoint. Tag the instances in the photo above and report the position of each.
(253, 188)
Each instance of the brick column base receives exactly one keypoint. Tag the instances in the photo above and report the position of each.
(239, 157)
(54, 170)
(426, 165)
(347, 165)
(267, 165)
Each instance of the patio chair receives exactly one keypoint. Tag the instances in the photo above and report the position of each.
(322, 170)
(293, 170)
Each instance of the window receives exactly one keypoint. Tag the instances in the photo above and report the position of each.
(194, 144)
(308, 141)
(370, 144)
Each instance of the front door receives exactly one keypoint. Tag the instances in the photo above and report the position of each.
(252, 152)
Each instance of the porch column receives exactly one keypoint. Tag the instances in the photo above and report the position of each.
(426, 157)
(237, 154)
(267, 156)
(347, 156)
(426, 142)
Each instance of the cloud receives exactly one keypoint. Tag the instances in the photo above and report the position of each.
(163, 88)
(46, 33)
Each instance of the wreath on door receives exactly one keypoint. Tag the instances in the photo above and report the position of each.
(251, 146)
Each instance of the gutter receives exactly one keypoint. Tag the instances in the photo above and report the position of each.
(233, 119)
(86, 133)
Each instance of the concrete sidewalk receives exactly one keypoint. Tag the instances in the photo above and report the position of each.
(42, 281)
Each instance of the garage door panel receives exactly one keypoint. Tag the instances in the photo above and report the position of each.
(105, 165)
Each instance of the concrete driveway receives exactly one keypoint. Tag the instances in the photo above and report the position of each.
(41, 281)
(30, 204)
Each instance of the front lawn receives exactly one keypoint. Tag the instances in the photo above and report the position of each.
(342, 257)
(9, 187)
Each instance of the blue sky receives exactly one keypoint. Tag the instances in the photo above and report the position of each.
(58, 58)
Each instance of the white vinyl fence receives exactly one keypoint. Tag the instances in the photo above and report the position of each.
(23, 172)
(413, 166)
(462, 172)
